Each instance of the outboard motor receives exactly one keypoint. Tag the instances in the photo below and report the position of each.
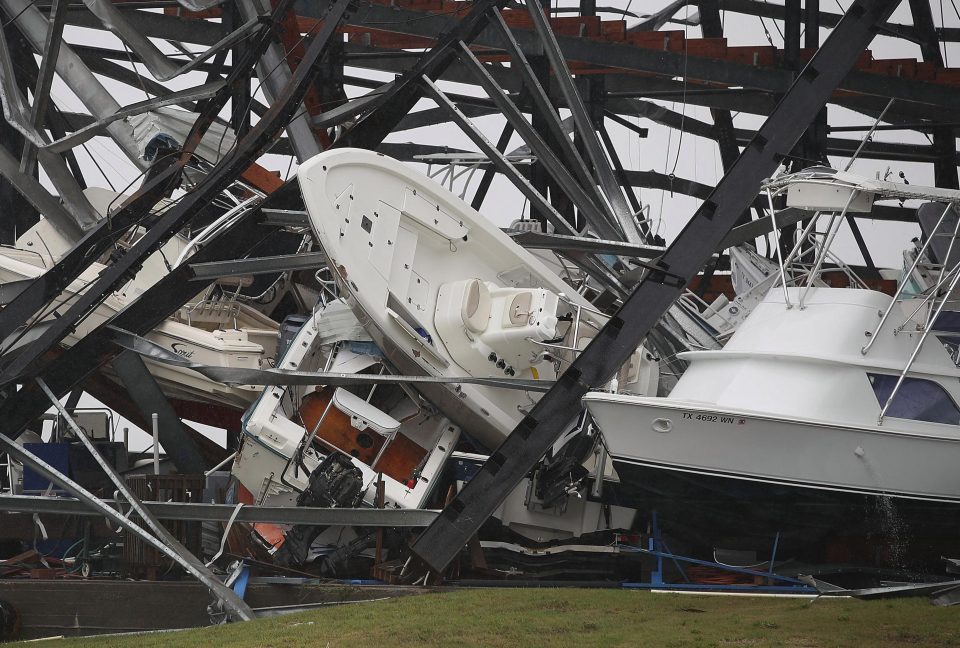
(335, 483)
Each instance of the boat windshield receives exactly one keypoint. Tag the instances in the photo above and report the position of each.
(916, 399)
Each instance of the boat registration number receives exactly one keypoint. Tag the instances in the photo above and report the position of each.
(713, 418)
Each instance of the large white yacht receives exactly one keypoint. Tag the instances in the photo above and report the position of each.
(830, 413)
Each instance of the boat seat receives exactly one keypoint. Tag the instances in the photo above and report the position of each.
(363, 415)
(475, 307)
(464, 303)
(492, 330)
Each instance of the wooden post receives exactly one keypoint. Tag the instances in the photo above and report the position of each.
(380, 504)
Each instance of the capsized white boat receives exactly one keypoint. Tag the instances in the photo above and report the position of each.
(444, 292)
(406, 442)
(213, 328)
(290, 429)
(822, 396)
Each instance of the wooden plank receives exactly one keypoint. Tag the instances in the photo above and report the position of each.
(400, 459)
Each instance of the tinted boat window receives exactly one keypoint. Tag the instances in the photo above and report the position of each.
(948, 321)
(917, 399)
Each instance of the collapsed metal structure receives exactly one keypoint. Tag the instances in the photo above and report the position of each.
(531, 65)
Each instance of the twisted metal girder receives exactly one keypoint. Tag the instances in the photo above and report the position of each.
(439, 544)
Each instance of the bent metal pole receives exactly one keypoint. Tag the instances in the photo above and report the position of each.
(164, 541)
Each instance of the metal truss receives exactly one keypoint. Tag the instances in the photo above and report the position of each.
(189, 511)
(586, 181)
(440, 543)
(222, 176)
(266, 79)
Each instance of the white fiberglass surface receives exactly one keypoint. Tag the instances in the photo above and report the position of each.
(395, 239)
(699, 438)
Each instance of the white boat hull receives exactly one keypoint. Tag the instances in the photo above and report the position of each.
(826, 494)
(738, 444)
(400, 247)
(252, 348)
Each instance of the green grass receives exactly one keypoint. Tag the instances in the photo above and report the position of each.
(581, 618)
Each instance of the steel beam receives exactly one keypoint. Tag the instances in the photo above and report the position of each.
(811, 23)
(750, 101)
(220, 177)
(232, 165)
(622, 179)
(722, 119)
(545, 155)
(78, 77)
(408, 152)
(92, 501)
(15, 113)
(97, 348)
(390, 107)
(41, 93)
(158, 25)
(670, 64)
(724, 132)
(280, 218)
(20, 215)
(542, 106)
(216, 66)
(258, 265)
(96, 241)
(176, 98)
(273, 377)
(602, 171)
(815, 143)
(105, 67)
(664, 182)
(944, 138)
(617, 119)
(38, 196)
(756, 228)
(167, 542)
(194, 512)
(144, 391)
(542, 241)
(488, 174)
(766, 9)
(10, 289)
(833, 145)
(621, 90)
(355, 109)
(242, 98)
(657, 20)
(98, 61)
(435, 116)
(537, 200)
(440, 543)
(160, 66)
(274, 73)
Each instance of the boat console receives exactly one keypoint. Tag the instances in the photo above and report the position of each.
(492, 330)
